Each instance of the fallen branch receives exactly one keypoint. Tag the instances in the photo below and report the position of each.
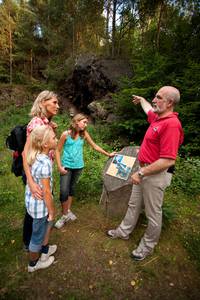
(149, 261)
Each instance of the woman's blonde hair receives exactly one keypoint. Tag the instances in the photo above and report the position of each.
(73, 125)
(37, 109)
(38, 137)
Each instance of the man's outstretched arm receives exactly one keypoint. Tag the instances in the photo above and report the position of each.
(146, 106)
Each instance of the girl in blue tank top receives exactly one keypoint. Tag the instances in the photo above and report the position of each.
(71, 163)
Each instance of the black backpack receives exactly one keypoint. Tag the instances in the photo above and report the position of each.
(16, 141)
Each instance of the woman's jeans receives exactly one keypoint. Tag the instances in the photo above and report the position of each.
(28, 222)
(27, 229)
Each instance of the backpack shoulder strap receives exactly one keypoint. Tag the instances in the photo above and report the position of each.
(20, 133)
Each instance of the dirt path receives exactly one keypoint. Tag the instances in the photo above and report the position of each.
(91, 266)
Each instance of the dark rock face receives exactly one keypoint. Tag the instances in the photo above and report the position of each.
(90, 82)
(92, 79)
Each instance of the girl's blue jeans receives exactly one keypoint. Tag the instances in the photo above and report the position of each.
(38, 233)
(68, 183)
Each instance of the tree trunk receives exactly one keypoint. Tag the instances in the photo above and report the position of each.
(31, 64)
(120, 33)
(114, 28)
(48, 31)
(159, 25)
(73, 38)
(107, 26)
(10, 50)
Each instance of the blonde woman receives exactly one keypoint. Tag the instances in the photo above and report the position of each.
(71, 164)
(44, 108)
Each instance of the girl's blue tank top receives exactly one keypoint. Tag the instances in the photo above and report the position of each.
(72, 156)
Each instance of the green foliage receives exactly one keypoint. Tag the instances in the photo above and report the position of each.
(91, 179)
(187, 176)
(36, 86)
(7, 197)
(152, 71)
(149, 77)
(4, 74)
(20, 78)
(131, 122)
(40, 36)
(171, 60)
(191, 242)
(58, 69)
(191, 125)
(169, 213)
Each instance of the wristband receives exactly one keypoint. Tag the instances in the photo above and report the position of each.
(141, 174)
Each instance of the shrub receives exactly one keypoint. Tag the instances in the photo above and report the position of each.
(36, 86)
(191, 242)
(187, 176)
(4, 74)
(58, 69)
(169, 213)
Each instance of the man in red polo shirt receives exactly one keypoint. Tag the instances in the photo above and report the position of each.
(157, 157)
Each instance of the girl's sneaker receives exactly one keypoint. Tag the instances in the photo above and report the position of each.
(52, 250)
(71, 216)
(41, 264)
(65, 218)
(61, 222)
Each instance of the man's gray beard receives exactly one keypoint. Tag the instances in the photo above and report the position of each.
(155, 109)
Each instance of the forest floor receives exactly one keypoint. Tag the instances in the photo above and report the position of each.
(89, 265)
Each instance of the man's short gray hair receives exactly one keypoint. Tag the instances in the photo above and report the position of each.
(173, 94)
